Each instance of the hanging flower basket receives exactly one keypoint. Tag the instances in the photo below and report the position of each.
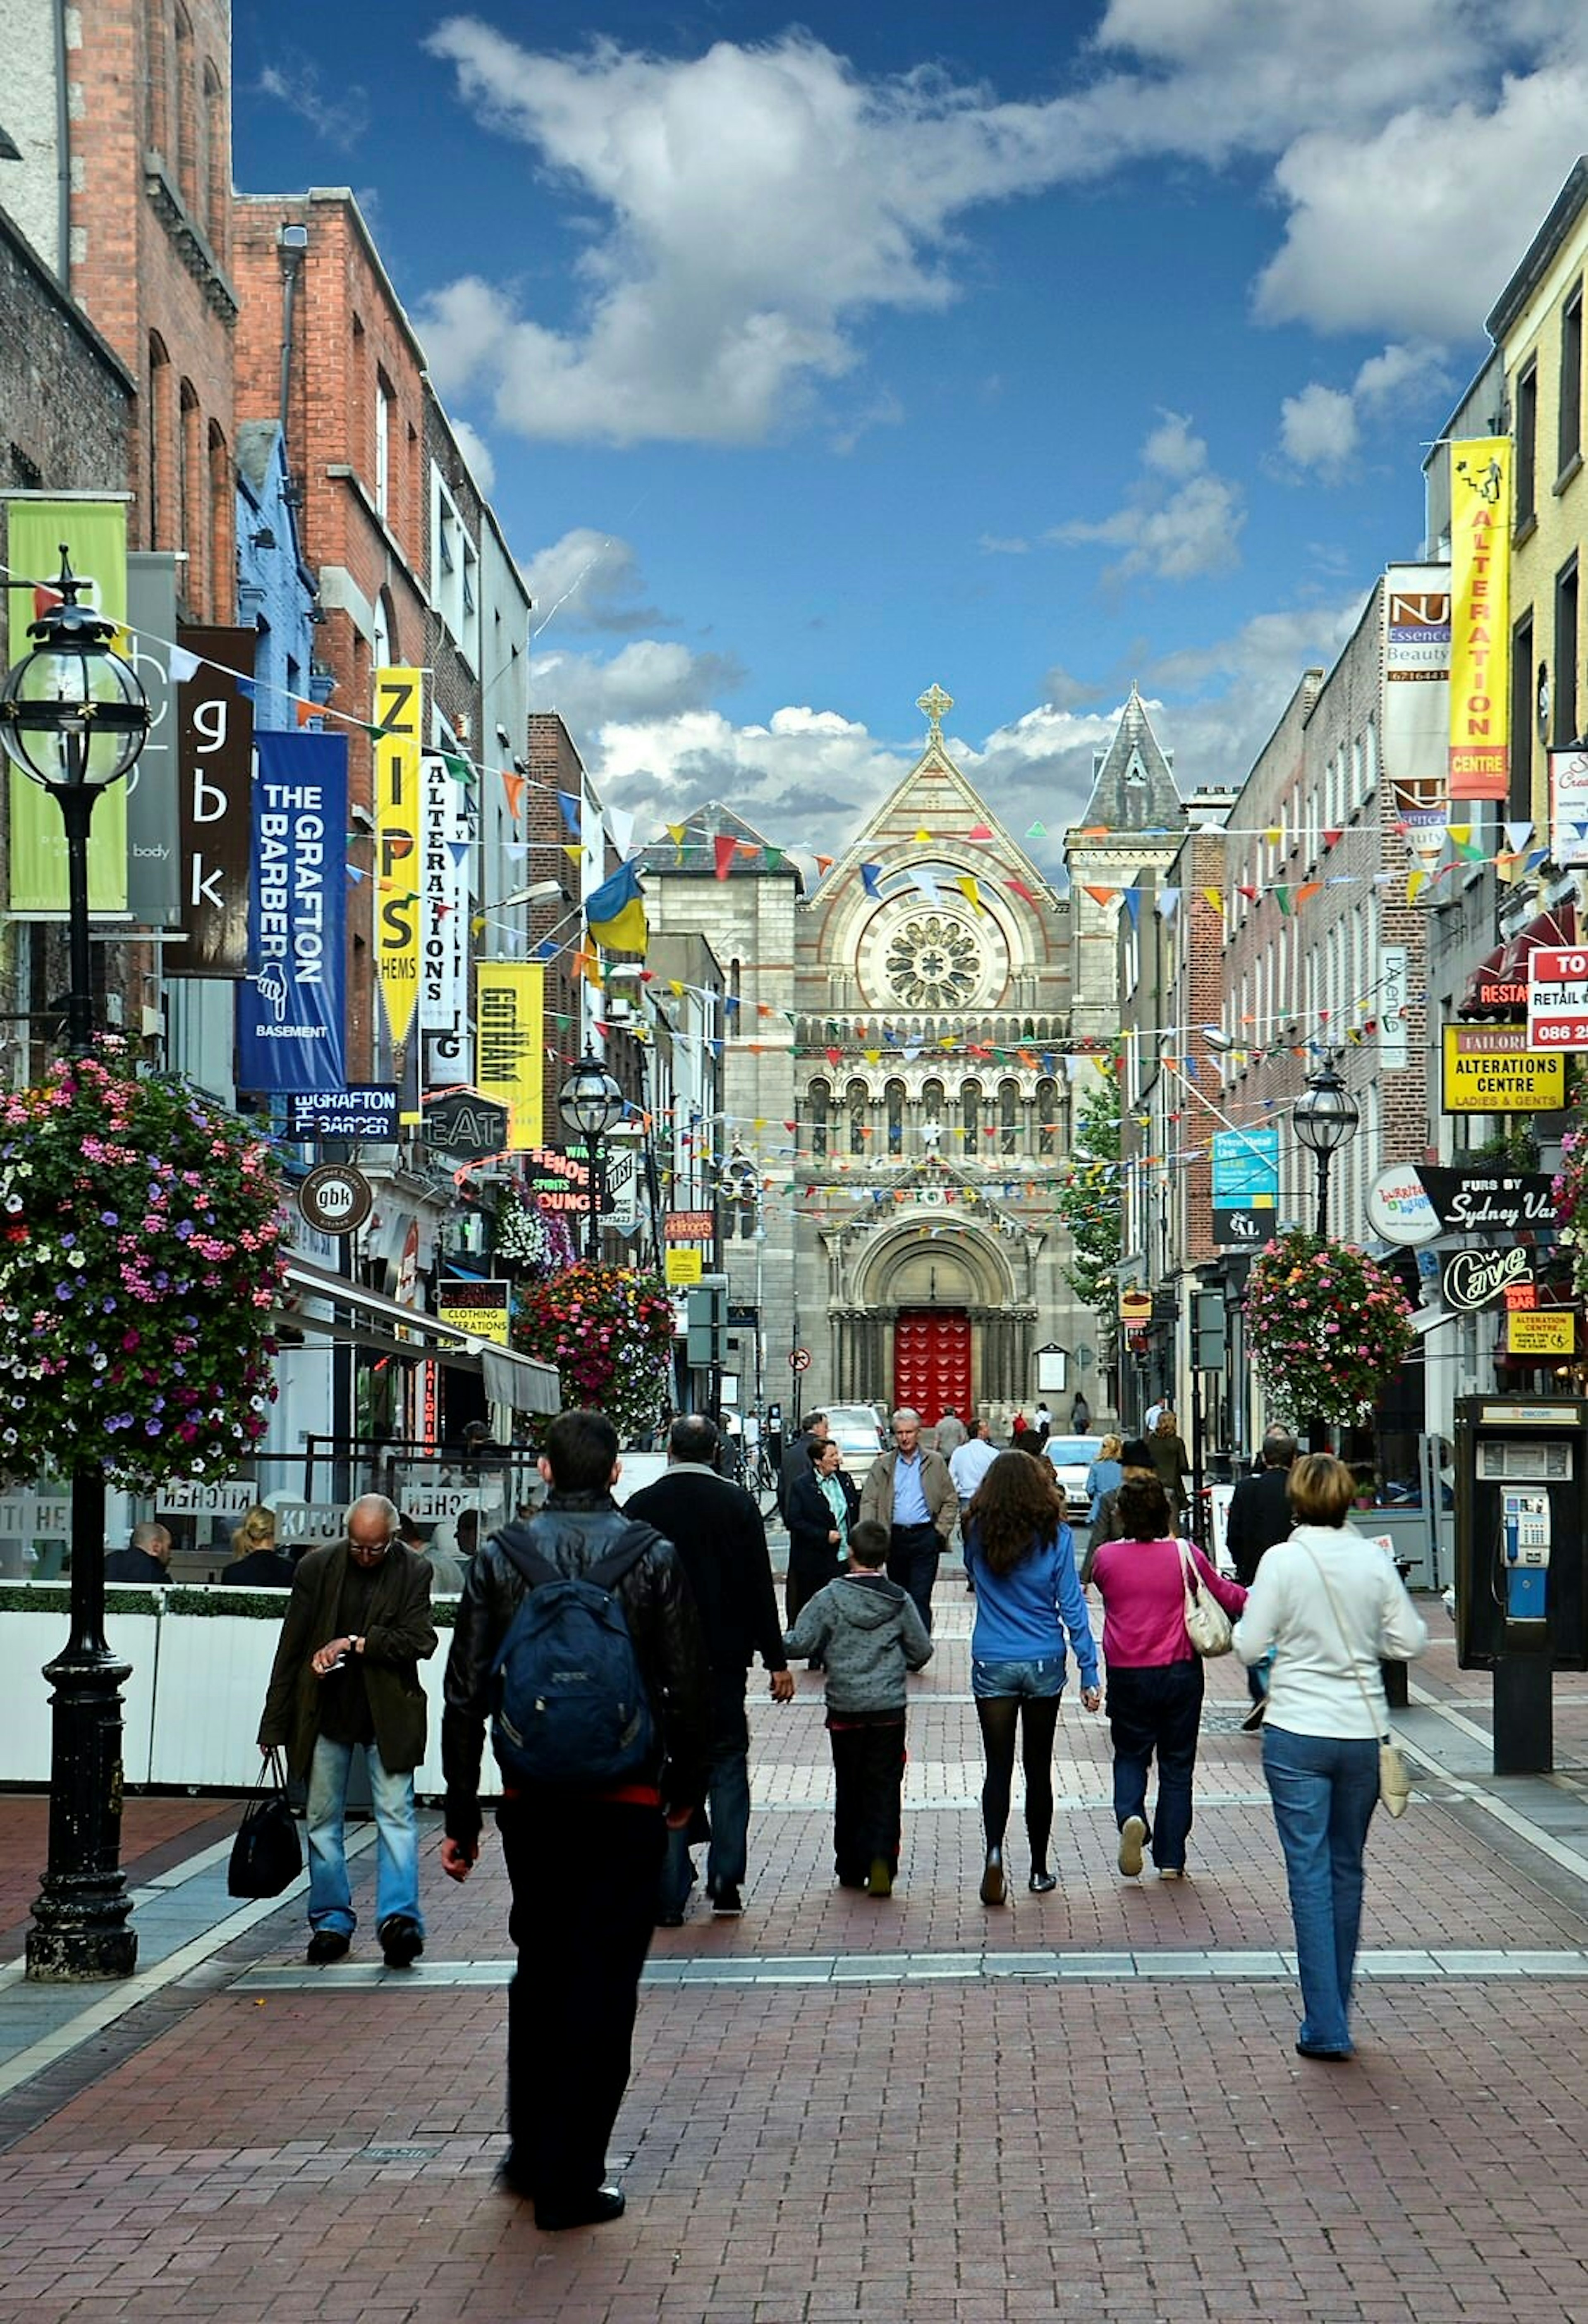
(609, 1330)
(529, 1241)
(1326, 1326)
(140, 1260)
(1569, 1190)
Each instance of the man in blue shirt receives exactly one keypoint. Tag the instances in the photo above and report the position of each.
(910, 1491)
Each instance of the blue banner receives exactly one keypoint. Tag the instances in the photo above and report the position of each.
(291, 1007)
(368, 1110)
(1245, 1169)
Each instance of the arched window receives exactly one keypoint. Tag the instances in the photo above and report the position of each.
(157, 417)
(213, 180)
(817, 1099)
(157, 80)
(187, 138)
(970, 1116)
(932, 1121)
(1009, 1117)
(191, 490)
(857, 1102)
(1046, 1117)
(222, 510)
(893, 1097)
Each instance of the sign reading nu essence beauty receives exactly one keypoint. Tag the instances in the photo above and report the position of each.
(1479, 622)
(1490, 1069)
(509, 1038)
(400, 715)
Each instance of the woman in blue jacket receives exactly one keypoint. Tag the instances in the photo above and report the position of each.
(1020, 1555)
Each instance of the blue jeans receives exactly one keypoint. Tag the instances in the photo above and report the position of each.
(330, 1901)
(1156, 1707)
(1039, 1676)
(1325, 1789)
(727, 1799)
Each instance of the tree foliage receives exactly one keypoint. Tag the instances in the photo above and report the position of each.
(1089, 1200)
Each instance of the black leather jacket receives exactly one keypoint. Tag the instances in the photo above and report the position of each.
(661, 1620)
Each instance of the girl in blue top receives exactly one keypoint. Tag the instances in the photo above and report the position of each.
(1020, 1555)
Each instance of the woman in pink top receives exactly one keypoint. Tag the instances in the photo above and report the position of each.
(1154, 1674)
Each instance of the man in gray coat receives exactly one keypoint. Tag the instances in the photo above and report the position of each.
(910, 1491)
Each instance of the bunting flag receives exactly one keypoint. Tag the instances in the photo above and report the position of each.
(1215, 898)
(1102, 895)
(1465, 845)
(1019, 888)
(824, 864)
(923, 838)
(1037, 831)
(1168, 904)
(871, 878)
(677, 832)
(980, 831)
(573, 851)
(723, 848)
(572, 818)
(1333, 838)
(186, 666)
(513, 785)
(460, 769)
(1133, 906)
(303, 712)
(922, 879)
(1307, 891)
(1415, 883)
(615, 913)
(968, 889)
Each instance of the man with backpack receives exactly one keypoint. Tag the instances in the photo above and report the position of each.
(577, 1638)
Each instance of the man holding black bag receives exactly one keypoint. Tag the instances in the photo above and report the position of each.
(583, 1831)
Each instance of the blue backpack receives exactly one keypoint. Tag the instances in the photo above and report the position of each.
(570, 1705)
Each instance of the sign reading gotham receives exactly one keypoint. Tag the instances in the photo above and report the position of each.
(1478, 1201)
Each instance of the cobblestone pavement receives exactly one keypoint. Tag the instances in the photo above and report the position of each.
(911, 2112)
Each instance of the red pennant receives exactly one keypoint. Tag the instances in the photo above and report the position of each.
(1019, 888)
(724, 850)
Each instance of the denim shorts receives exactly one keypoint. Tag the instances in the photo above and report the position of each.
(1044, 1676)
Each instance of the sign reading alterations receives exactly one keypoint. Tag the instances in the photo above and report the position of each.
(1490, 1069)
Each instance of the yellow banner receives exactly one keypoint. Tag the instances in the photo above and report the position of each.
(484, 1309)
(400, 718)
(1541, 1331)
(1490, 1069)
(682, 1267)
(510, 1044)
(1480, 617)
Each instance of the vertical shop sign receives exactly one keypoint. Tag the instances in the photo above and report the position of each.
(399, 711)
(1480, 622)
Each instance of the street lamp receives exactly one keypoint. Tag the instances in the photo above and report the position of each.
(1324, 1120)
(589, 1102)
(74, 718)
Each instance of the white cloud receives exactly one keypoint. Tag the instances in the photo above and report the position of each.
(649, 681)
(295, 83)
(588, 580)
(482, 467)
(998, 544)
(1172, 534)
(1321, 427)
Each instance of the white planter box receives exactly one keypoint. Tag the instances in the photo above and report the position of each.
(209, 1692)
(29, 1641)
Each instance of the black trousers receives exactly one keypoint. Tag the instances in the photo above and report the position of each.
(868, 1787)
(584, 1876)
(913, 1551)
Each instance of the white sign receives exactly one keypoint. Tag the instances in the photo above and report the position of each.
(621, 1170)
(310, 1520)
(35, 1517)
(432, 1504)
(1399, 1206)
(1557, 999)
(184, 1499)
(1394, 995)
(1568, 807)
(443, 886)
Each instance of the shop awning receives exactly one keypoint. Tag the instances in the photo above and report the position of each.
(364, 1319)
(1498, 986)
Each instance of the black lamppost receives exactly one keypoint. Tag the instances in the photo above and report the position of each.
(1325, 1116)
(589, 1102)
(74, 718)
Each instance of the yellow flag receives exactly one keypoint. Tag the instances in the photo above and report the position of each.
(399, 713)
(1215, 897)
(966, 884)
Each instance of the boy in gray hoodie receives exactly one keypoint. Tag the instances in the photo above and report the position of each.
(868, 1633)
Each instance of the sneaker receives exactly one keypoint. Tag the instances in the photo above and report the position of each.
(328, 1945)
(727, 1904)
(1133, 1841)
(1253, 1719)
(1172, 1872)
(402, 1940)
(879, 1880)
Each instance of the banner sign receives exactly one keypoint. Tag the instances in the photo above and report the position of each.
(400, 715)
(1557, 998)
(1245, 1187)
(1490, 1069)
(96, 537)
(181, 1498)
(509, 1044)
(1540, 1332)
(154, 883)
(291, 1010)
(1569, 807)
(1480, 1201)
(1394, 1001)
(557, 1181)
(367, 1110)
(445, 833)
(689, 1226)
(1398, 1207)
(1480, 624)
(1471, 1280)
(682, 1267)
(1417, 704)
(481, 1308)
(215, 825)
(464, 1122)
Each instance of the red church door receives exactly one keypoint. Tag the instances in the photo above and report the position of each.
(932, 1362)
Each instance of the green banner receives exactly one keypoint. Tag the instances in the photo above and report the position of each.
(96, 535)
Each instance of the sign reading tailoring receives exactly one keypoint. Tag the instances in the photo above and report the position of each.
(291, 1010)
(1490, 1069)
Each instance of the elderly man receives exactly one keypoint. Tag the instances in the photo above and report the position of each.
(910, 1491)
(346, 1672)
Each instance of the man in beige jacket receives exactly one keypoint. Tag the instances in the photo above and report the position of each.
(910, 1491)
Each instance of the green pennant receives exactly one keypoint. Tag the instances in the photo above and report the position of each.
(1038, 831)
(775, 857)
(1282, 898)
(458, 769)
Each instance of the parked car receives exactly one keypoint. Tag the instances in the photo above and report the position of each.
(854, 1428)
(1072, 1456)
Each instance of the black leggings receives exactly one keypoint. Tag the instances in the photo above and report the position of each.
(1038, 1718)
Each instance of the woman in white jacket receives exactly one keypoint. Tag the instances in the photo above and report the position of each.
(1330, 1604)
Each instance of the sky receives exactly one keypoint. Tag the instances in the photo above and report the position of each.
(1030, 350)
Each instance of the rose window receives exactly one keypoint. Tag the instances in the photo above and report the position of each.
(933, 962)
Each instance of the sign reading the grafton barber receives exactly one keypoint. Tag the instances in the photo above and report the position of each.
(1471, 1280)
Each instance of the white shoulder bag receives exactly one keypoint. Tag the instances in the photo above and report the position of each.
(1207, 1625)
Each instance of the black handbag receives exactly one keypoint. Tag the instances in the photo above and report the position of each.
(267, 1855)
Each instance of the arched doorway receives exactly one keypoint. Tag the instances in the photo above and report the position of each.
(939, 1319)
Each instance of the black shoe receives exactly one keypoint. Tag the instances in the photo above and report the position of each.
(327, 1945)
(1042, 1884)
(1326, 2057)
(993, 1887)
(591, 2210)
(402, 1940)
(513, 2178)
(669, 1919)
(727, 1902)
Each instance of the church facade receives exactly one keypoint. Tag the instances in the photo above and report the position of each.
(898, 1066)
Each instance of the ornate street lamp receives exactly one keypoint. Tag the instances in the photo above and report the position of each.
(1325, 1119)
(74, 718)
(589, 1102)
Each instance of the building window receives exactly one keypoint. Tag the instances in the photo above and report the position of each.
(857, 1103)
(970, 1116)
(1527, 445)
(1570, 432)
(1009, 1117)
(157, 423)
(1046, 1117)
(1564, 704)
(816, 1100)
(893, 1099)
(217, 176)
(222, 508)
(1519, 795)
(190, 488)
(187, 156)
(383, 399)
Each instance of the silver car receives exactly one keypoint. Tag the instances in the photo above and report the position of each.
(1072, 1457)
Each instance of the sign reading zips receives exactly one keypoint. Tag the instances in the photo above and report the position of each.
(400, 721)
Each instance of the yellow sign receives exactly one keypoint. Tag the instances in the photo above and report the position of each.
(399, 716)
(483, 1309)
(1490, 1069)
(1541, 1331)
(510, 1037)
(1480, 617)
(682, 1267)
(1135, 1308)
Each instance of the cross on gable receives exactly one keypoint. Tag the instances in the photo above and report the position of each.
(932, 705)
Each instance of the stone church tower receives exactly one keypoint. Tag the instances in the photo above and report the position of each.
(1135, 821)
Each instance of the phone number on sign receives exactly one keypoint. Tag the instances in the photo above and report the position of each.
(1563, 1033)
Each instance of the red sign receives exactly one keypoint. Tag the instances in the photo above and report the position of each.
(1557, 998)
(799, 1360)
(689, 1226)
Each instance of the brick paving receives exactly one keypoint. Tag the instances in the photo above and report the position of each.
(892, 2150)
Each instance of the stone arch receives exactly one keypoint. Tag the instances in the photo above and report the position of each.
(972, 1266)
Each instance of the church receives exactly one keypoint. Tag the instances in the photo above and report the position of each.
(900, 1065)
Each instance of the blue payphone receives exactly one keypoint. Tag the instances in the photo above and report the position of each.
(1521, 1572)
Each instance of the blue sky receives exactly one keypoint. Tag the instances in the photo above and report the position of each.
(1030, 349)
